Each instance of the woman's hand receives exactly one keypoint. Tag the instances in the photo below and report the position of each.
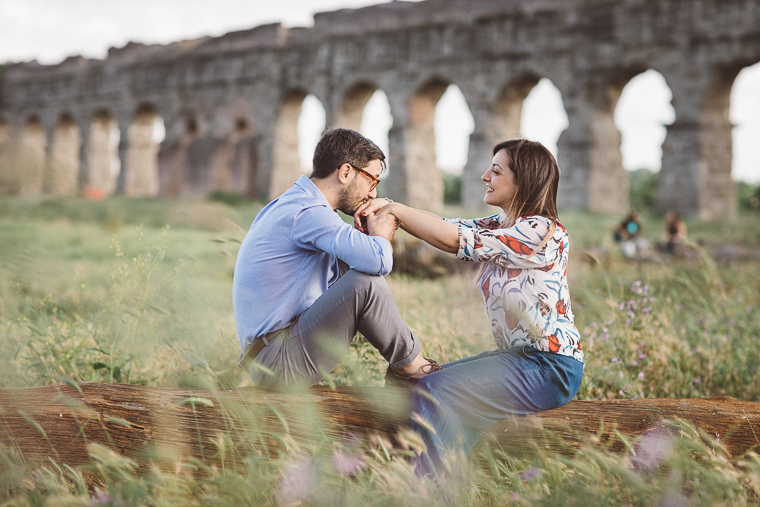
(424, 225)
(368, 208)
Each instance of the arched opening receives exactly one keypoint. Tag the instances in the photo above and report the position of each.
(30, 159)
(641, 114)
(494, 124)
(311, 125)
(63, 164)
(103, 164)
(144, 138)
(543, 116)
(453, 125)
(179, 171)
(366, 109)
(350, 113)
(377, 121)
(745, 116)
(6, 182)
(300, 124)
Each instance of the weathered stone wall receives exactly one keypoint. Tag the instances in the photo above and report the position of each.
(230, 104)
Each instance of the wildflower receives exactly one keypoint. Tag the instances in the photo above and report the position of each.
(620, 392)
(297, 481)
(347, 464)
(641, 375)
(614, 359)
(646, 310)
(697, 380)
(642, 355)
(634, 363)
(652, 449)
(627, 322)
(531, 474)
(605, 367)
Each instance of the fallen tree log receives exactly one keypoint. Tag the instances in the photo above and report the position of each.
(166, 426)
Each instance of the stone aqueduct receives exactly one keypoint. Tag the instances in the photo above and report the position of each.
(230, 104)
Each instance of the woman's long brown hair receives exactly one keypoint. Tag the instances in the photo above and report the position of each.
(536, 175)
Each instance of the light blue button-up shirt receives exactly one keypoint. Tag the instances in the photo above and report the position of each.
(290, 257)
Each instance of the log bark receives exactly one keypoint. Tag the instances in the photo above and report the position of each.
(166, 426)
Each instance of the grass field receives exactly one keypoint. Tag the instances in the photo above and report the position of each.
(138, 291)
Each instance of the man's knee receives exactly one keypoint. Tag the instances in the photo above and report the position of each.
(362, 282)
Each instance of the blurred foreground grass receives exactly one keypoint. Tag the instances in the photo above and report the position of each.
(138, 291)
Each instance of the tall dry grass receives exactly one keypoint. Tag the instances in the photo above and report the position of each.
(87, 293)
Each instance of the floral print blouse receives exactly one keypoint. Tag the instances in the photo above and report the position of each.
(526, 297)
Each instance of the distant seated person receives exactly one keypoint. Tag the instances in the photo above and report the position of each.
(629, 234)
(675, 232)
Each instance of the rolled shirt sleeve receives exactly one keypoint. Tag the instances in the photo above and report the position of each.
(319, 228)
(512, 246)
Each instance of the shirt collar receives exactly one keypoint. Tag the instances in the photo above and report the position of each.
(308, 186)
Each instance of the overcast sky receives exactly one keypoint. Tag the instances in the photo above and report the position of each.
(51, 30)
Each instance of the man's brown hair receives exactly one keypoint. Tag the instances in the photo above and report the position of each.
(343, 146)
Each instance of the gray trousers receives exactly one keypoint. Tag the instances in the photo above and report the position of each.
(301, 355)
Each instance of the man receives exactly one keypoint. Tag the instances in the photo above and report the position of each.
(305, 281)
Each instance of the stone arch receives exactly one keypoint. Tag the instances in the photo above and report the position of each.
(497, 117)
(103, 164)
(543, 117)
(696, 167)
(287, 143)
(424, 183)
(177, 170)
(589, 154)
(744, 114)
(366, 109)
(509, 104)
(141, 178)
(351, 109)
(29, 164)
(63, 162)
(235, 162)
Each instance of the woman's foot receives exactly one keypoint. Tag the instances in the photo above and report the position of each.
(407, 378)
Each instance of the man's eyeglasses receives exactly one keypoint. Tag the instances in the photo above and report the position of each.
(375, 180)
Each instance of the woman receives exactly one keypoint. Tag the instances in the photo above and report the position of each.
(523, 253)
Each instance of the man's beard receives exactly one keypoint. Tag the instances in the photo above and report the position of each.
(350, 200)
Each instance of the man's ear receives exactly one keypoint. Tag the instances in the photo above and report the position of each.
(344, 173)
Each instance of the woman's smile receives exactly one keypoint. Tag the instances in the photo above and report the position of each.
(500, 181)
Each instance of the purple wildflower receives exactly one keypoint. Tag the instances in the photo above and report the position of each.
(297, 481)
(347, 464)
(641, 375)
(697, 380)
(531, 474)
(653, 448)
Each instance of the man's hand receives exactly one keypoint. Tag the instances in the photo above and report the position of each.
(384, 225)
(366, 209)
